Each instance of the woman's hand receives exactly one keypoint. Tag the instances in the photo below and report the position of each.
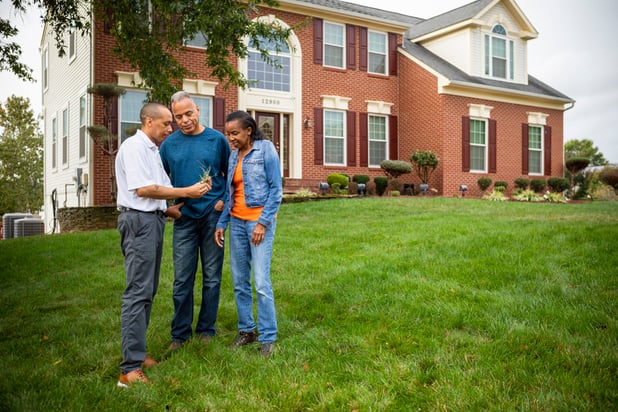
(258, 234)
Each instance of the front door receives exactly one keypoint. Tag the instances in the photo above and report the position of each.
(269, 124)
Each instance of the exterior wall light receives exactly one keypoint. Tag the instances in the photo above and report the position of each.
(307, 122)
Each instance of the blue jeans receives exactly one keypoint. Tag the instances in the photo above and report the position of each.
(243, 256)
(190, 237)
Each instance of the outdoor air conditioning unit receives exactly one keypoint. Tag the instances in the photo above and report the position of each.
(28, 227)
(8, 223)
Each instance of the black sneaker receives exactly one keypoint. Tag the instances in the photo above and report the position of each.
(244, 338)
(267, 349)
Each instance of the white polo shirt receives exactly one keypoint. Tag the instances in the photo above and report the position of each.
(138, 164)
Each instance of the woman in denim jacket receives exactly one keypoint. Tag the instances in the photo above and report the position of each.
(254, 196)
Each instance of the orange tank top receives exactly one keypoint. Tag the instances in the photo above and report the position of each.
(240, 209)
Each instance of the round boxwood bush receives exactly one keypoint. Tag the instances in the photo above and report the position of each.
(501, 183)
(395, 168)
(381, 184)
(484, 183)
(609, 176)
(361, 179)
(522, 183)
(538, 185)
(336, 178)
(558, 184)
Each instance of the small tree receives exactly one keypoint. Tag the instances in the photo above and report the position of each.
(484, 183)
(575, 165)
(103, 136)
(395, 168)
(425, 162)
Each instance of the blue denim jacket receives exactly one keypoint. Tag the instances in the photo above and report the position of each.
(261, 175)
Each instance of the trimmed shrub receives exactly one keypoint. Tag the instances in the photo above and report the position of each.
(395, 168)
(558, 184)
(381, 184)
(370, 188)
(501, 183)
(484, 183)
(361, 178)
(538, 185)
(336, 178)
(522, 183)
(609, 176)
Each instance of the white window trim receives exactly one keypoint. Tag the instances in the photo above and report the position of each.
(343, 45)
(72, 44)
(45, 69)
(510, 53)
(85, 125)
(385, 141)
(343, 138)
(54, 140)
(369, 52)
(541, 150)
(485, 146)
(65, 165)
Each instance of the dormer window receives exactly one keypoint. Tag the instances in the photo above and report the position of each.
(499, 54)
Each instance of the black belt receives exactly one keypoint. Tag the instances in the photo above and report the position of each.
(155, 212)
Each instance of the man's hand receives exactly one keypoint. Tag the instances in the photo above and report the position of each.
(174, 211)
(198, 190)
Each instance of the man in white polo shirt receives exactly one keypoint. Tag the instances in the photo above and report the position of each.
(143, 187)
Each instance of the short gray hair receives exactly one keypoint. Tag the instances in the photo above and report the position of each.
(181, 95)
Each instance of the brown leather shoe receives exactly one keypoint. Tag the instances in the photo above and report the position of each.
(136, 376)
(174, 346)
(149, 362)
(244, 338)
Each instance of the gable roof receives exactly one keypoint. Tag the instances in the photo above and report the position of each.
(356, 10)
(466, 15)
(455, 75)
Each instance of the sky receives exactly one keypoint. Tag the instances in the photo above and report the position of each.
(575, 53)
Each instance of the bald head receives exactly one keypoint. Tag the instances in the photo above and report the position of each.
(156, 122)
(152, 110)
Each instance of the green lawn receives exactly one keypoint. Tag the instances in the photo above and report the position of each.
(383, 304)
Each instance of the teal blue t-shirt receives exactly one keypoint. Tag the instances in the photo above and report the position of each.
(186, 158)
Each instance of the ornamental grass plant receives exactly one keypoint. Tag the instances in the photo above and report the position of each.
(384, 304)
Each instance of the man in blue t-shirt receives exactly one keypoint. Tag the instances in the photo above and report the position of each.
(192, 153)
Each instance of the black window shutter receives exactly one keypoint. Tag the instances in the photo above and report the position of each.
(547, 150)
(392, 54)
(362, 48)
(351, 126)
(393, 141)
(524, 149)
(492, 146)
(363, 137)
(318, 137)
(219, 114)
(351, 46)
(465, 144)
(318, 38)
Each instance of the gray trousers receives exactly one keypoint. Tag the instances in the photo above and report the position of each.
(141, 242)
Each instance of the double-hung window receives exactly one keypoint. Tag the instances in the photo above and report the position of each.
(82, 127)
(65, 137)
(130, 105)
(378, 52)
(535, 150)
(270, 75)
(54, 151)
(334, 45)
(478, 145)
(377, 140)
(334, 137)
(205, 105)
(499, 54)
(198, 40)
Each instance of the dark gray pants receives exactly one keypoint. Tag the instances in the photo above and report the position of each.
(141, 242)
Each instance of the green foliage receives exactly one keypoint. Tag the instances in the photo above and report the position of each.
(395, 193)
(538, 185)
(381, 184)
(576, 164)
(527, 196)
(337, 179)
(425, 162)
(554, 197)
(10, 52)
(609, 176)
(432, 304)
(558, 184)
(21, 158)
(395, 168)
(584, 148)
(484, 183)
(361, 179)
(501, 183)
(522, 183)
(496, 195)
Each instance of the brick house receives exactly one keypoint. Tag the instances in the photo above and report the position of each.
(356, 85)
